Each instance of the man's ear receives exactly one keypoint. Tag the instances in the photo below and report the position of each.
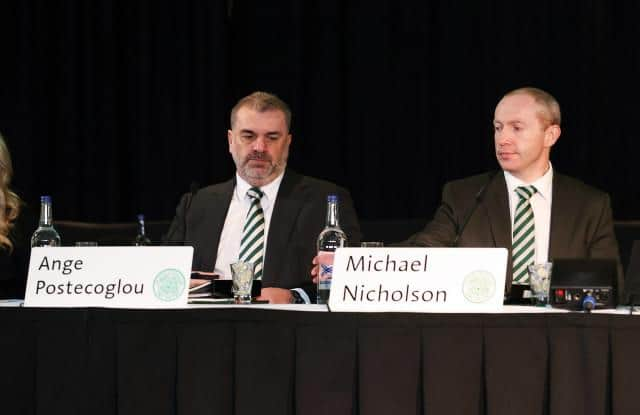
(551, 135)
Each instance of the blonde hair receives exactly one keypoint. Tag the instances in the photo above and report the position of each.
(9, 201)
(550, 111)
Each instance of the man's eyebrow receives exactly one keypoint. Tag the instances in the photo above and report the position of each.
(245, 131)
(508, 122)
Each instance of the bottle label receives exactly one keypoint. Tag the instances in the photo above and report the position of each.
(325, 271)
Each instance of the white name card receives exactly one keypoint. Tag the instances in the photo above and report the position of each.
(448, 280)
(119, 277)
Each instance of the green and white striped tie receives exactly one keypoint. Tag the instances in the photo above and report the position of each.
(252, 244)
(524, 241)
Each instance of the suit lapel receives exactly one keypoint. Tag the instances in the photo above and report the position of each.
(285, 212)
(560, 205)
(496, 203)
(497, 207)
(209, 228)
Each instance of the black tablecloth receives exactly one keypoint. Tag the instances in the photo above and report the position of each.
(248, 361)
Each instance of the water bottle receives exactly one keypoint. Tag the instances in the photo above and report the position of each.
(330, 238)
(45, 235)
(141, 238)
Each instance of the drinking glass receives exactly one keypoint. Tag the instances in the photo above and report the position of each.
(242, 276)
(371, 244)
(86, 243)
(539, 280)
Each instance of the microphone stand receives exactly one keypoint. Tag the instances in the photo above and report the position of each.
(478, 200)
(193, 189)
(588, 303)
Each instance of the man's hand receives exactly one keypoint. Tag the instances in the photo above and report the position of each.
(276, 295)
(193, 282)
(314, 269)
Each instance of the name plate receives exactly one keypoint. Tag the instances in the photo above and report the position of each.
(119, 277)
(448, 280)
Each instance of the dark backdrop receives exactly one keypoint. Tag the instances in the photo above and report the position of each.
(115, 107)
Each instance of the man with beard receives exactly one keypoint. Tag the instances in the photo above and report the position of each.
(267, 214)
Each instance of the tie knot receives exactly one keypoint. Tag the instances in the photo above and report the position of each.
(525, 192)
(255, 193)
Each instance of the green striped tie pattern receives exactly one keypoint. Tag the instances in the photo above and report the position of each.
(524, 244)
(252, 243)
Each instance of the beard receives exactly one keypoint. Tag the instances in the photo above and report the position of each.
(258, 166)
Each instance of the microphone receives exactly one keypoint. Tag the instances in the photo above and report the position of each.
(588, 303)
(477, 201)
(193, 189)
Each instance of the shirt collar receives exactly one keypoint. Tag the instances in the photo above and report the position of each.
(270, 190)
(542, 184)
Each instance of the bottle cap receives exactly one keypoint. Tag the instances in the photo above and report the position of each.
(140, 217)
(45, 199)
(332, 198)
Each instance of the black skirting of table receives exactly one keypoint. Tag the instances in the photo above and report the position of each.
(247, 361)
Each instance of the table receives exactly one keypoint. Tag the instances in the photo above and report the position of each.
(272, 361)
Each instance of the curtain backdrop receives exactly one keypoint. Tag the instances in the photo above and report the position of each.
(116, 107)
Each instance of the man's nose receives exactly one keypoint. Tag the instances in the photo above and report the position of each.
(502, 138)
(259, 144)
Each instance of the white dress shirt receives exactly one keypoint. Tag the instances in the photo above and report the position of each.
(229, 245)
(541, 205)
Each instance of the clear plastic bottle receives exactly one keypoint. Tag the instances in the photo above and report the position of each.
(331, 238)
(45, 235)
(141, 238)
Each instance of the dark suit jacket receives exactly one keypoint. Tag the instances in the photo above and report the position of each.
(299, 214)
(581, 220)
